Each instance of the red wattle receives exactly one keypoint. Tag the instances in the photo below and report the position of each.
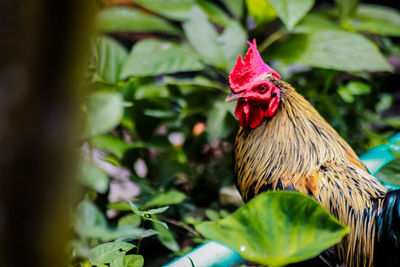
(249, 115)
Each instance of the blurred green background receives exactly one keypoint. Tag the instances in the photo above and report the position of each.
(157, 130)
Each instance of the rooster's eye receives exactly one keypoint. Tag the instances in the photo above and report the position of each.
(262, 88)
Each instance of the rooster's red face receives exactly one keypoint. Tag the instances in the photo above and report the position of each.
(257, 97)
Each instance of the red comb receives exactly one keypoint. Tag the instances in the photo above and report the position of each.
(245, 71)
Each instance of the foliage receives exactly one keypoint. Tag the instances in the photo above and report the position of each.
(390, 172)
(305, 229)
(157, 131)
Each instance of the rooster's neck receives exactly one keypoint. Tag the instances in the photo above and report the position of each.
(287, 147)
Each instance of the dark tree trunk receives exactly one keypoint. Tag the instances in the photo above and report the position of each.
(43, 51)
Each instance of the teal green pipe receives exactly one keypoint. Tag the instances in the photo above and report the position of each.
(215, 254)
(379, 156)
(210, 254)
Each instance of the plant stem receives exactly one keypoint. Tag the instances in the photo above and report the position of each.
(138, 244)
(179, 224)
(270, 40)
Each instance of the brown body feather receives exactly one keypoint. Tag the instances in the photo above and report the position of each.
(297, 149)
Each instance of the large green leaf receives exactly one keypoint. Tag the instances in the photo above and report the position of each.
(204, 38)
(108, 57)
(390, 173)
(133, 20)
(277, 228)
(155, 57)
(233, 41)
(291, 11)
(331, 49)
(107, 252)
(93, 177)
(104, 112)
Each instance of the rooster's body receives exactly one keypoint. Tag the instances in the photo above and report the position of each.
(284, 144)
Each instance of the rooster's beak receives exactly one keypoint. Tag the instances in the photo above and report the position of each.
(233, 97)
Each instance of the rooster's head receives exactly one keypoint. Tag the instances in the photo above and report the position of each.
(252, 87)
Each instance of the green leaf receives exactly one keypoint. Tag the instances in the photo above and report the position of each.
(233, 42)
(161, 223)
(345, 94)
(235, 7)
(198, 81)
(390, 172)
(170, 197)
(277, 228)
(130, 220)
(119, 19)
(338, 50)
(158, 210)
(291, 11)
(346, 8)
(180, 9)
(214, 13)
(204, 38)
(93, 177)
(376, 19)
(377, 27)
(162, 114)
(155, 57)
(88, 216)
(353, 88)
(121, 206)
(261, 10)
(107, 252)
(217, 124)
(108, 58)
(173, 9)
(111, 144)
(358, 88)
(135, 209)
(128, 261)
(128, 233)
(212, 215)
(152, 91)
(314, 22)
(385, 102)
(165, 236)
(382, 13)
(104, 112)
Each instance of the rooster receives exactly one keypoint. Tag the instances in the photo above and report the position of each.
(284, 144)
